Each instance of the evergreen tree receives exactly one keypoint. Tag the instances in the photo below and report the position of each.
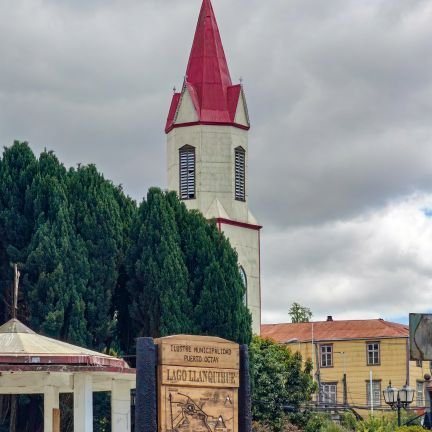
(98, 271)
(216, 288)
(158, 278)
(18, 167)
(99, 222)
(56, 271)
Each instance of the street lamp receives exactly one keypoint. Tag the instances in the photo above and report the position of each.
(398, 399)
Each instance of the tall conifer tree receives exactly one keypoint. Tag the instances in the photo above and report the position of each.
(17, 170)
(158, 278)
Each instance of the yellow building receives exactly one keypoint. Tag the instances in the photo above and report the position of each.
(353, 357)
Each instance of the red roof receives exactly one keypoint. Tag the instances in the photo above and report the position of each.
(334, 330)
(207, 77)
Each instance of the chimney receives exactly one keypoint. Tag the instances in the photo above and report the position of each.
(329, 318)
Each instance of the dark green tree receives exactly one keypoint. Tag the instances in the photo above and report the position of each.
(215, 285)
(18, 166)
(279, 379)
(98, 271)
(56, 272)
(158, 278)
(99, 222)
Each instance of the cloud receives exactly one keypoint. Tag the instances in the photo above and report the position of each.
(374, 265)
(340, 97)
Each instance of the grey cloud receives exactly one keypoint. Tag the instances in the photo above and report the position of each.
(374, 265)
(339, 92)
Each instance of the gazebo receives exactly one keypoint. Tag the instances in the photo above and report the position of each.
(35, 364)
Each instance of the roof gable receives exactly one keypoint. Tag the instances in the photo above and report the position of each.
(186, 111)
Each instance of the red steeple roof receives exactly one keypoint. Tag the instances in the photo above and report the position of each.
(207, 77)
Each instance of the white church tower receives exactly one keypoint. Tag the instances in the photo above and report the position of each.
(207, 151)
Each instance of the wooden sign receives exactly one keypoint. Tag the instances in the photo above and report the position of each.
(198, 380)
(199, 377)
(195, 351)
(198, 410)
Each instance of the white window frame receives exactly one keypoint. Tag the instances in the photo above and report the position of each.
(373, 353)
(240, 174)
(326, 355)
(376, 389)
(187, 173)
(328, 393)
(420, 392)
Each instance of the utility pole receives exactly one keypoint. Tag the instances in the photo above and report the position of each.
(17, 275)
(13, 400)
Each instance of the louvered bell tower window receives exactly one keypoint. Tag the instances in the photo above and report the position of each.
(187, 172)
(240, 174)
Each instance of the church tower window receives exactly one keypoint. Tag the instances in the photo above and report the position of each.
(244, 281)
(187, 172)
(240, 174)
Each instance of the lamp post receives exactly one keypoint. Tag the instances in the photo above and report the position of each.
(398, 399)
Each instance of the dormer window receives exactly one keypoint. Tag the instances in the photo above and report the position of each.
(240, 174)
(187, 172)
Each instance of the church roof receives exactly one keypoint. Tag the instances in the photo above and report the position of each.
(208, 79)
(21, 345)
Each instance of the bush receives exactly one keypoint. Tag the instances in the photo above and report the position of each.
(349, 421)
(384, 423)
(415, 428)
(316, 422)
(279, 380)
(265, 427)
(331, 426)
(260, 427)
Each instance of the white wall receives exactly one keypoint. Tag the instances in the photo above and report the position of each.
(214, 153)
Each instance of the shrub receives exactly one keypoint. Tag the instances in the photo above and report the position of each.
(316, 422)
(261, 427)
(331, 426)
(384, 423)
(349, 421)
(265, 427)
(415, 428)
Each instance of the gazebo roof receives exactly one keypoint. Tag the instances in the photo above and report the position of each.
(20, 345)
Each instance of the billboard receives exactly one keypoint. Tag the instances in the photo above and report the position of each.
(420, 332)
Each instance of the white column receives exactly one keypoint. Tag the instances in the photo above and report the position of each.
(51, 402)
(83, 403)
(120, 406)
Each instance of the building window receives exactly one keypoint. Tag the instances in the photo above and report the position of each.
(244, 281)
(187, 172)
(326, 352)
(328, 393)
(419, 363)
(419, 394)
(373, 353)
(373, 397)
(240, 174)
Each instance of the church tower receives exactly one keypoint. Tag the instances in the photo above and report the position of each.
(207, 151)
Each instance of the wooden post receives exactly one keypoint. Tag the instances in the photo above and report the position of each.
(146, 392)
(245, 397)
(56, 420)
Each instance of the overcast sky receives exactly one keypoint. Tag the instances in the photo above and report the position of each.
(340, 99)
